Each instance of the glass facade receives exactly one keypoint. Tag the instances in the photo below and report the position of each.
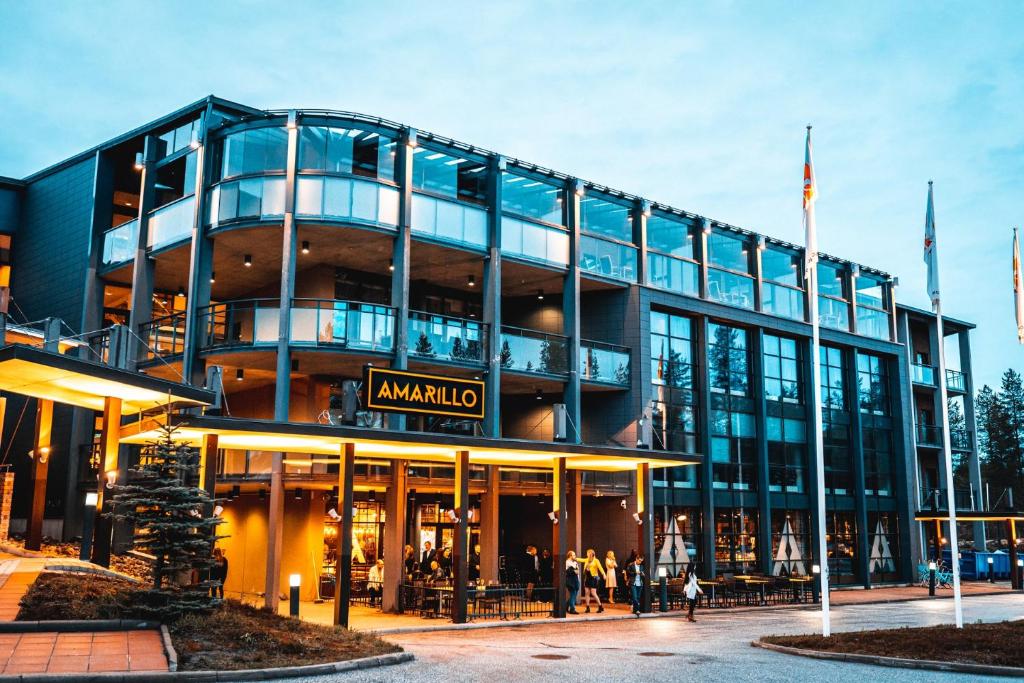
(833, 305)
(835, 423)
(529, 198)
(609, 259)
(673, 390)
(606, 218)
(782, 291)
(671, 256)
(842, 546)
(534, 241)
(883, 547)
(346, 150)
(872, 307)
(449, 176)
(250, 198)
(729, 279)
(785, 421)
(736, 548)
(791, 543)
(733, 432)
(333, 198)
(253, 151)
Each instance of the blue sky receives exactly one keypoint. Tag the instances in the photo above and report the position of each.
(698, 105)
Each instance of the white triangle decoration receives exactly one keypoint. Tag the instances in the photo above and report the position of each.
(881, 556)
(673, 555)
(789, 558)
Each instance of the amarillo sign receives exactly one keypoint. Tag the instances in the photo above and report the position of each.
(398, 391)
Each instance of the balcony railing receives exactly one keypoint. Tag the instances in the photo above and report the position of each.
(955, 381)
(934, 500)
(604, 363)
(929, 435)
(164, 336)
(120, 243)
(446, 338)
(532, 351)
(171, 223)
(961, 439)
(314, 322)
(923, 374)
(449, 221)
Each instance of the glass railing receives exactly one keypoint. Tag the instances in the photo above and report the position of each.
(935, 499)
(164, 337)
(782, 300)
(532, 351)
(445, 338)
(872, 322)
(252, 198)
(730, 288)
(605, 363)
(609, 259)
(120, 243)
(955, 381)
(961, 439)
(673, 274)
(533, 241)
(833, 313)
(449, 221)
(929, 435)
(346, 198)
(314, 322)
(922, 374)
(171, 223)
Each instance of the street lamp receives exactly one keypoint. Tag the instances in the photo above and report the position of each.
(991, 570)
(294, 581)
(1020, 573)
(91, 499)
(931, 578)
(663, 589)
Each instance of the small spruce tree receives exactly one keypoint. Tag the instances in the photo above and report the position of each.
(506, 355)
(423, 346)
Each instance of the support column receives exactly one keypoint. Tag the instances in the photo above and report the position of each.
(707, 493)
(492, 303)
(110, 433)
(571, 311)
(208, 468)
(200, 261)
(40, 469)
(813, 552)
(401, 259)
(859, 497)
(343, 573)
(395, 508)
(1014, 574)
(490, 504)
(645, 529)
(283, 378)
(764, 529)
(558, 539)
(970, 423)
(641, 212)
(142, 274)
(575, 508)
(460, 538)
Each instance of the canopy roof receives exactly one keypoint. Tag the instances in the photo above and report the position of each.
(972, 516)
(37, 373)
(290, 437)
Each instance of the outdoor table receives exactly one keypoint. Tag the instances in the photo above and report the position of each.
(802, 583)
(761, 583)
(709, 591)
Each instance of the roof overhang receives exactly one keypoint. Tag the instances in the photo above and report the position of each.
(327, 440)
(972, 516)
(48, 375)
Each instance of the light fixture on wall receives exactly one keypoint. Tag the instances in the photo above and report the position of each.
(553, 516)
(638, 518)
(111, 477)
(540, 295)
(43, 454)
(181, 291)
(333, 514)
(218, 510)
(540, 394)
(213, 276)
(371, 496)
(453, 516)
(391, 265)
(471, 280)
(247, 260)
(239, 374)
(194, 140)
(707, 227)
(139, 163)
(236, 491)
(305, 246)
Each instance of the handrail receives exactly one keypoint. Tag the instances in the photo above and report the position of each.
(527, 332)
(603, 345)
(170, 204)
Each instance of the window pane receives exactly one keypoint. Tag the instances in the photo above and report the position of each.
(532, 198)
(781, 266)
(729, 252)
(606, 218)
(675, 237)
(450, 176)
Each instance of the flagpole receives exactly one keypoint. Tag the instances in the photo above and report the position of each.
(933, 286)
(811, 274)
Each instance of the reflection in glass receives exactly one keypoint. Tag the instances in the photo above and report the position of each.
(730, 288)
(607, 258)
(344, 150)
(449, 176)
(346, 198)
(256, 150)
(533, 241)
(602, 217)
(532, 351)
(673, 236)
(728, 251)
(531, 198)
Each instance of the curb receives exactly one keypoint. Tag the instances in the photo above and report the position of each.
(89, 569)
(172, 654)
(77, 626)
(895, 662)
(240, 675)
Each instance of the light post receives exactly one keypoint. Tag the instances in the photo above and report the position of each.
(1020, 573)
(816, 590)
(663, 589)
(294, 581)
(991, 570)
(91, 498)
(931, 578)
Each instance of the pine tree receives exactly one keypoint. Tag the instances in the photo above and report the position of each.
(506, 355)
(423, 346)
(167, 514)
(457, 352)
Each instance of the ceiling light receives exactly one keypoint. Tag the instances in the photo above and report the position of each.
(540, 295)
(391, 265)
(213, 276)
(239, 374)
(298, 494)
(181, 291)
(247, 260)
(471, 281)
(305, 247)
(138, 161)
(540, 394)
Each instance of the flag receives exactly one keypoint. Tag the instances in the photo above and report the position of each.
(931, 257)
(1018, 288)
(810, 195)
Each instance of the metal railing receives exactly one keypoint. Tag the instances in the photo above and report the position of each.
(936, 499)
(120, 243)
(444, 337)
(961, 439)
(922, 374)
(605, 363)
(525, 350)
(928, 435)
(955, 381)
(164, 337)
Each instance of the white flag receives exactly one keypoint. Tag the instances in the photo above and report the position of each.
(931, 257)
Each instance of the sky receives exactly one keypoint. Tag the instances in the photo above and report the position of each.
(701, 106)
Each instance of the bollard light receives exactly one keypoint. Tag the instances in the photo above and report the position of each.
(991, 570)
(662, 589)
(294, 581)
(816, 590)
(92, 499)
(1020, 574)
(931, 577)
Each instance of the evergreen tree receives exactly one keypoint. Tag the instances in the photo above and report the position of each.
(958, 436)
(506, 355)
(458, 352)
(595, 365)
(423, 346)
(167, 514)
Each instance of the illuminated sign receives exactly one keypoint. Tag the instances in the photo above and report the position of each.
(398, 391)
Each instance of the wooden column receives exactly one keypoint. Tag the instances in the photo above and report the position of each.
(645, 530)
(1014, 576)
(208, 467)
(40, 469)
(275, 534)
(490, 503)
(574, 505)
(559, 538)
(110, 434)
(460, 537)
(395, 506)
(343, 574)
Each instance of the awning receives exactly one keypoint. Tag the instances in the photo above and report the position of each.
(37, 373)
(317, 439)
(972, 516)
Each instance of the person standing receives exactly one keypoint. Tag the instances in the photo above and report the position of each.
(409, 561)
(218, 573)
(474, 563)
(547, 569)
(635, 578)
(375, 582)
(692, 589)
(426, 558)
(572, 581)
(531, 570)
(593, 572)
(610, 580)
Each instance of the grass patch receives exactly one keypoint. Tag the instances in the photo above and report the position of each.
(232, 637)
(994, 644)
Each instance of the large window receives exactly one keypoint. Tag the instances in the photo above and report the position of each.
(733, 453)
(346, 150)
(609, 259)
(531, 198)
(735, 540)
(785, 419)
(791, 546)
(872, 307)
(833, 383)
(833, 307)
(883, 546)
(837, 456)
(677, 540)
(782, 286)
(878, 461)
(675, 425)
(671, 260)
(782, 370)
(257, 150)
(842, 547)
(872, 384)
(176, 139)
(728, 360)
(609, 219)
(729, 278)
(534, 241)
(449, 176)
(671, 236)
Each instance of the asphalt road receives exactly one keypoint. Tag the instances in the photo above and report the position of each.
(716, 648)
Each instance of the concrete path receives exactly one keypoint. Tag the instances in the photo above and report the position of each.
(716, 648)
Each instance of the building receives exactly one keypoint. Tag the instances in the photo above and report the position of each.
(656, 329)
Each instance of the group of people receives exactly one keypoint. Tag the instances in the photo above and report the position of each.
(436, 565)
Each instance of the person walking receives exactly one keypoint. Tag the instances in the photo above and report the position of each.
(610, 580)
(593, 573)
(572, 582)
(635, 578)
(692, 589)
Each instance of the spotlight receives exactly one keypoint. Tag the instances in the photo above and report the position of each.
(194, 142)
(333, 514)
(111, 479)
(540, 395)
(471, 280)
(305, 247)
(139, 163)
(553, 517)
(213, 277)
(218, 510)
(371, 496)
(247, 260)
(181, 291)
(298, 494)
(638, 518)
(622, 503)
(239, 374)
(453, 516)
(92, 499)
(540, 295)
(707, 227)
(391, 265)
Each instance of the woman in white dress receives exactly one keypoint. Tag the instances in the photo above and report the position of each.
(610, 582)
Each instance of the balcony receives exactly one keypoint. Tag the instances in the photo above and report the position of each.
(440, 337)
(535, 352)
(171, 223)
(929, 435)
(316, 323)
(449, 221)
(120, 243)
(923, 374)
(936, 500)
(604, 363)
(961, 440)
(164, 337)
(955, 381)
